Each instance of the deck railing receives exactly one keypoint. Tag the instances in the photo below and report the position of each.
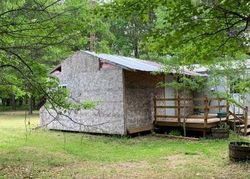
(243, 119)
(178, 101)
(206, 106)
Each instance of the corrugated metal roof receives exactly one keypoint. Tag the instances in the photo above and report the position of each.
(128, 62)
(136, 64)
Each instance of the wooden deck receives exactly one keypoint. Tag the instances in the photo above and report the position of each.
(195, 121)
(179, 115)
(176, 114)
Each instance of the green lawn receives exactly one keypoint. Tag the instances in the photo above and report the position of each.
(49, 154)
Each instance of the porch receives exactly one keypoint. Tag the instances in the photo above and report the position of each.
(197, 114)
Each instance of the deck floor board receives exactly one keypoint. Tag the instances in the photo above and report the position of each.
(195, 120)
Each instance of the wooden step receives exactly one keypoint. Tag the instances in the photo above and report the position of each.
(140, 129)
(236, 122)
(240, 126)
(248, 131)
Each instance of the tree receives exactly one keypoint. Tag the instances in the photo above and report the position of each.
(129, 30)
(36, 35)
(196, 31)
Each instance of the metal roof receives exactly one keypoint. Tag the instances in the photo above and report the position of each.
(136, 64)
(128, 62)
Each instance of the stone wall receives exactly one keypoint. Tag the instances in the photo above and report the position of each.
(140, 89)
(82, 76)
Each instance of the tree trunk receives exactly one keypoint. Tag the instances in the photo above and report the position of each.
(136, 50)
(8, 102)
(20, 102)
(13, 102)
(26, 101)
(92, 40)
(31, 105)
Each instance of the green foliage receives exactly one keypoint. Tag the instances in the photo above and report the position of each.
(194, 31)
(231, 77)
(89, 104)
(183, 82)
(224, 126)
(36, 35)
(175, 133)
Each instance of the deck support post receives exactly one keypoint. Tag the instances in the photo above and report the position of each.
(245, 120)
(178, 109)
(227, 110)
(205, 111)
(155, 109)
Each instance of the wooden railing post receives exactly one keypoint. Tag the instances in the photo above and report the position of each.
(155, 109)
(178, 109)
(227, 110)
(205, 111)
(245, 120)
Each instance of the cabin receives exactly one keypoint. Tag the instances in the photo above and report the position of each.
(128, 97)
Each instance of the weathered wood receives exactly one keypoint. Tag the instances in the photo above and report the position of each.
(190, 106)
(246, 121)
(172, 107)
(155, 109)
(140, 129)
(166, 99)
(239, 151)
(220, 99)
(219, 106)
(205, 111)
(189, 126)
(227, 109)
(166, 116)
(245, 131)
(167, 107)
(198, 99)
(189, 117)
(178, 109)
(201, 122)
(194, 99)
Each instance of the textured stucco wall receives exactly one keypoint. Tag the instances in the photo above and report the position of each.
(86, 81)
(140, 88)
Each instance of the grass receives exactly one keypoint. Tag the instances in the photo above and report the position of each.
(41, 153)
